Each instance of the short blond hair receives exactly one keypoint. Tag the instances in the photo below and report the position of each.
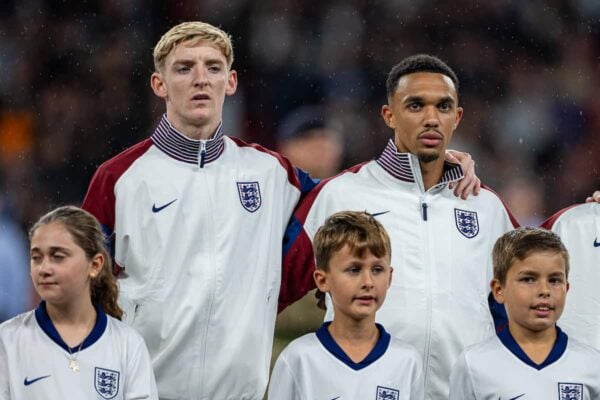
(196, 31)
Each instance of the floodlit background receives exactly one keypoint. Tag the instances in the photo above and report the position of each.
(74, 91)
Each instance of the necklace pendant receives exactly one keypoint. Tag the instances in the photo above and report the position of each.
(73, 366)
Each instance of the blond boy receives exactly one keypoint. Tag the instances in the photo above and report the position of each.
(350, 357)
(532, 358)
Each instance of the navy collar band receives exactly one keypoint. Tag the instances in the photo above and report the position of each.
(44, 321)
(180, 147)
(330, 345)
(558, 349)
(399, 165)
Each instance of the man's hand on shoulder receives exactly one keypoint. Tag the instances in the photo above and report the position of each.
(470, 184)
(595, 197)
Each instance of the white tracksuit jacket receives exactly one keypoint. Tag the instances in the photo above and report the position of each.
(579, 228)
(197, 231)
(441, 254)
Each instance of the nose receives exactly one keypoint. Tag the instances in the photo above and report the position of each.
(431, 117)
(544, 289)
(42, 267)
(368, 281)
(200, 77)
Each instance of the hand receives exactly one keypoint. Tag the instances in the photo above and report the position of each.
(470, 184)
(595, 197)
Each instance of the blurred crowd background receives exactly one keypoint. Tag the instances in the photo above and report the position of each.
(74, 91)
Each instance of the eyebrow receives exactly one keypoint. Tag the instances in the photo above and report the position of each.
(189, 61)
(52, 249)
(419, 99)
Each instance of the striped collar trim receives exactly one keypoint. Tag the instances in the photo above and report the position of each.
(399, 165)
(180, 147)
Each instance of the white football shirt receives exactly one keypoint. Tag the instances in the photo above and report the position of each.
(113, 361)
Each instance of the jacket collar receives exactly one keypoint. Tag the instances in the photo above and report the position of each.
(406, 167)
(180, 147)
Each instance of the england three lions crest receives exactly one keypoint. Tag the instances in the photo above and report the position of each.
(466, 222)
(249, 195)
(384, 393)
(570, 391)
(106, 382)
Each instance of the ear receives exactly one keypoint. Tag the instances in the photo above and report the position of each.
(568, 286)
(96, 265)
(320, 278)
(231, 83)
(497, 290)
(388, 116)
(391, 275)
(158, 85)
(459, 114)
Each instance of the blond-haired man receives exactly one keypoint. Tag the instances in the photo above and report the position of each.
(197, 220)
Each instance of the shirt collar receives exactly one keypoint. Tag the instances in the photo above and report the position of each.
(44, 321)
(558, 349)
(182, 148)
(406, 167)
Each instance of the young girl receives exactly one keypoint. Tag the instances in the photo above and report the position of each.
(72, 346)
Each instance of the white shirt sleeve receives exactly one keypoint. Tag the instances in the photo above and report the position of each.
(4, 380)
(461, 384)
(283, 385)
(139, 382)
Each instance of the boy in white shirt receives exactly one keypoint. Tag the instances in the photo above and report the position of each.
(532, 358)
(350, 357)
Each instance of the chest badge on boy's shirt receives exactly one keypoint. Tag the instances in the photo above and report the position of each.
(570, 391)
(249, 195)
(106, 382)
(384, 393)
(466, 222)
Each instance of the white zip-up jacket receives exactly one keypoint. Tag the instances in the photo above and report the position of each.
(579, 228)
(197, 231)
(441, 254)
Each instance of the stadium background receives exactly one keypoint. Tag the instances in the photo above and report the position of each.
(74, 90)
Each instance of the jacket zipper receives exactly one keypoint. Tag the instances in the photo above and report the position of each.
(202, 153)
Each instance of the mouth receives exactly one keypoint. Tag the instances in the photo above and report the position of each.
(201, 97)
(366, 299)
(431, 138)
(542, 310)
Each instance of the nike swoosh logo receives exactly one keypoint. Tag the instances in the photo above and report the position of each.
(158, 209)
(596, 243)
(513, 398)
(27, 382)
(335, 398)
(374, 215)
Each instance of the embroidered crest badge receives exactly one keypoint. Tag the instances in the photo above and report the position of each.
(570, 391)
(106, 382)
(249, 195)
(466, 222)
(384, 393)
